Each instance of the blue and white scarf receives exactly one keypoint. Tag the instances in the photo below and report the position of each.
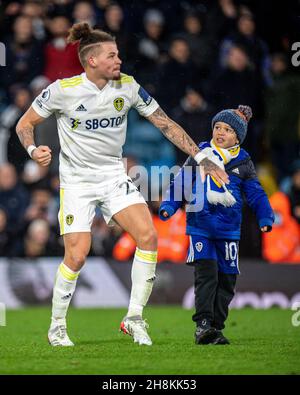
(217, 193)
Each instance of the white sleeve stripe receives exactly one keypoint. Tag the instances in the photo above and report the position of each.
(42, 113)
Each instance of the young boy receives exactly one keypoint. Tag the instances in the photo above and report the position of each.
(214, 228)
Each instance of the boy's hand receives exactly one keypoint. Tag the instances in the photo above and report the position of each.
(164, 214)
(266, 228)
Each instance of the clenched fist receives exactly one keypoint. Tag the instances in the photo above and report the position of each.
(42, 155)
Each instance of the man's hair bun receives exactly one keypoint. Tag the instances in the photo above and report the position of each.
(79, 31)
(87, 36)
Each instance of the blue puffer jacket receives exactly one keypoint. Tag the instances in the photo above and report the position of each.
(217, 221)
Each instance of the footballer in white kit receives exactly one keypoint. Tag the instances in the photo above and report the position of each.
(91, 111)
(92, 127)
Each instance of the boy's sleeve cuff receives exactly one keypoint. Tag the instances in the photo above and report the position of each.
(168, 208)
(265, 222)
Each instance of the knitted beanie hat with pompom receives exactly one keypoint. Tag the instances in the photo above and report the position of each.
(237, 118)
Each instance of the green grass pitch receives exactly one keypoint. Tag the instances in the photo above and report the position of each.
(262, 342)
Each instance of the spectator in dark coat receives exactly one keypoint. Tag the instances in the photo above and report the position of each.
(238, 83)
(13, 196)
(194, 114)
(282, 115)
(84, 12)
(11, 148)
(24, 55)
(200, 43)
(36, 11)
(152, 49)
(176, 75)
(256, 49)
(38, 241)
(115, 25)
(6, 237)
(221, 19)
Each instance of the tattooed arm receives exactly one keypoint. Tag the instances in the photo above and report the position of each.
(24, 129)
(173, 132)
(182, 140)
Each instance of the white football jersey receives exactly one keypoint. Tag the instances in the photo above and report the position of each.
(91, 123)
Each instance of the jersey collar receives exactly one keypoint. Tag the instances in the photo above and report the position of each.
(91, 84)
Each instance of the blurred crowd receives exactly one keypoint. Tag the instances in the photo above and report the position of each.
(196, 57)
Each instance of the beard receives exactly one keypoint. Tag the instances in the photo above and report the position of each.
(116, 75)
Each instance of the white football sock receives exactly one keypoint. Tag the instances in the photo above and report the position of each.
(142, 276)
(64, 287)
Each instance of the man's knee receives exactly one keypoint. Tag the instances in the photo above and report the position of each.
(76, 250)
(75, 259)
(148, 239)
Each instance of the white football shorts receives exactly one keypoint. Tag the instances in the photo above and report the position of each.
(78, 205)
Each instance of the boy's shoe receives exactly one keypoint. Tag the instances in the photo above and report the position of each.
(57, 335)
(137, 328)
(205, 333)
(220, 339)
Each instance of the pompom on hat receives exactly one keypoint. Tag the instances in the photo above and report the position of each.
(237, 118)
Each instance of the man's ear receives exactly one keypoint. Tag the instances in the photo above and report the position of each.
(91, 61)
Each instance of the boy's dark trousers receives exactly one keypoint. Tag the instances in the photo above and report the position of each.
(214, 291)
